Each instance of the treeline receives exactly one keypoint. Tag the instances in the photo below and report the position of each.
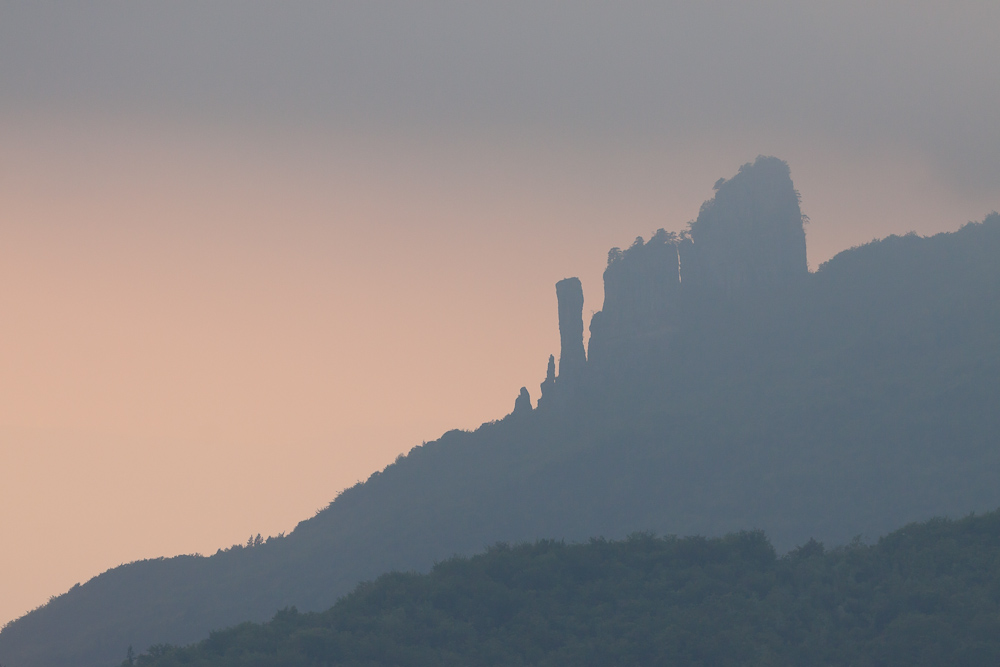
(928, 594)
(860, 398)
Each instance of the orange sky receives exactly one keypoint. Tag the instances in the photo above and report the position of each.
(208, 332)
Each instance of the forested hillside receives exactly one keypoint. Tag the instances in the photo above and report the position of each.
(928, 594)
(725, 388)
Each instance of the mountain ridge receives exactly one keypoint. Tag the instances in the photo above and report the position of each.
(850, 400)
(926, 593)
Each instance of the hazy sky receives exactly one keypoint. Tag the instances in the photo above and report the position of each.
(250, 252)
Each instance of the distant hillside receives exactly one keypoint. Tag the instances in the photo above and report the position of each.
(928, 594)
(724, 387)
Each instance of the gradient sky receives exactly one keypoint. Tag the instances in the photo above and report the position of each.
(250, 252)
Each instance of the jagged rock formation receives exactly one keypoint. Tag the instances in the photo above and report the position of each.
(867, 397)
(549, 383)
(750, 235)
(640, 296)
(572, 357)
(522, 404)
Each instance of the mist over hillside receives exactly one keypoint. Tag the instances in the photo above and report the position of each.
(926, 594)
(724, 387)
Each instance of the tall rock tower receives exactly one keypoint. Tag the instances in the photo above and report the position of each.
(572, 357)
(750, 235)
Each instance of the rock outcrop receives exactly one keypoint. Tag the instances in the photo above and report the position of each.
(749, 236)
(640, 296)
(549, 383)
(572, 357)
(748, 239)
(881, 376)
(522, 404)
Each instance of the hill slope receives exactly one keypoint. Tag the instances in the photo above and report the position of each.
(847, 401)
(928, 594)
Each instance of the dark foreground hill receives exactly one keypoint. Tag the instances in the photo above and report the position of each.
(724, 387)
(928, 594)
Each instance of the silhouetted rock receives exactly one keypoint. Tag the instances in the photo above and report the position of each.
(572, 357)
(548, 384)
(866, 399)
(523, 402)
(749, 235)
(640, 297)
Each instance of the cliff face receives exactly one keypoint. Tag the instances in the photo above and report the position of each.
(640, 296)
(572, 355)
(750, 235)
(748, 238)
(880, 376)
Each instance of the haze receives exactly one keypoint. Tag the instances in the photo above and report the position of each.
(249, 253)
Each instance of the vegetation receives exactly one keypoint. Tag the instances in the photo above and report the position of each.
(928, 594)
(855, 399)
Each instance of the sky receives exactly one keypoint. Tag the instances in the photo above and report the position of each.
(250, 252)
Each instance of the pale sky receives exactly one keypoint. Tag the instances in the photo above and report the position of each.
(250, 252)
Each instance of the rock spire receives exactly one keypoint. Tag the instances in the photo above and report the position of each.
(572, 357)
